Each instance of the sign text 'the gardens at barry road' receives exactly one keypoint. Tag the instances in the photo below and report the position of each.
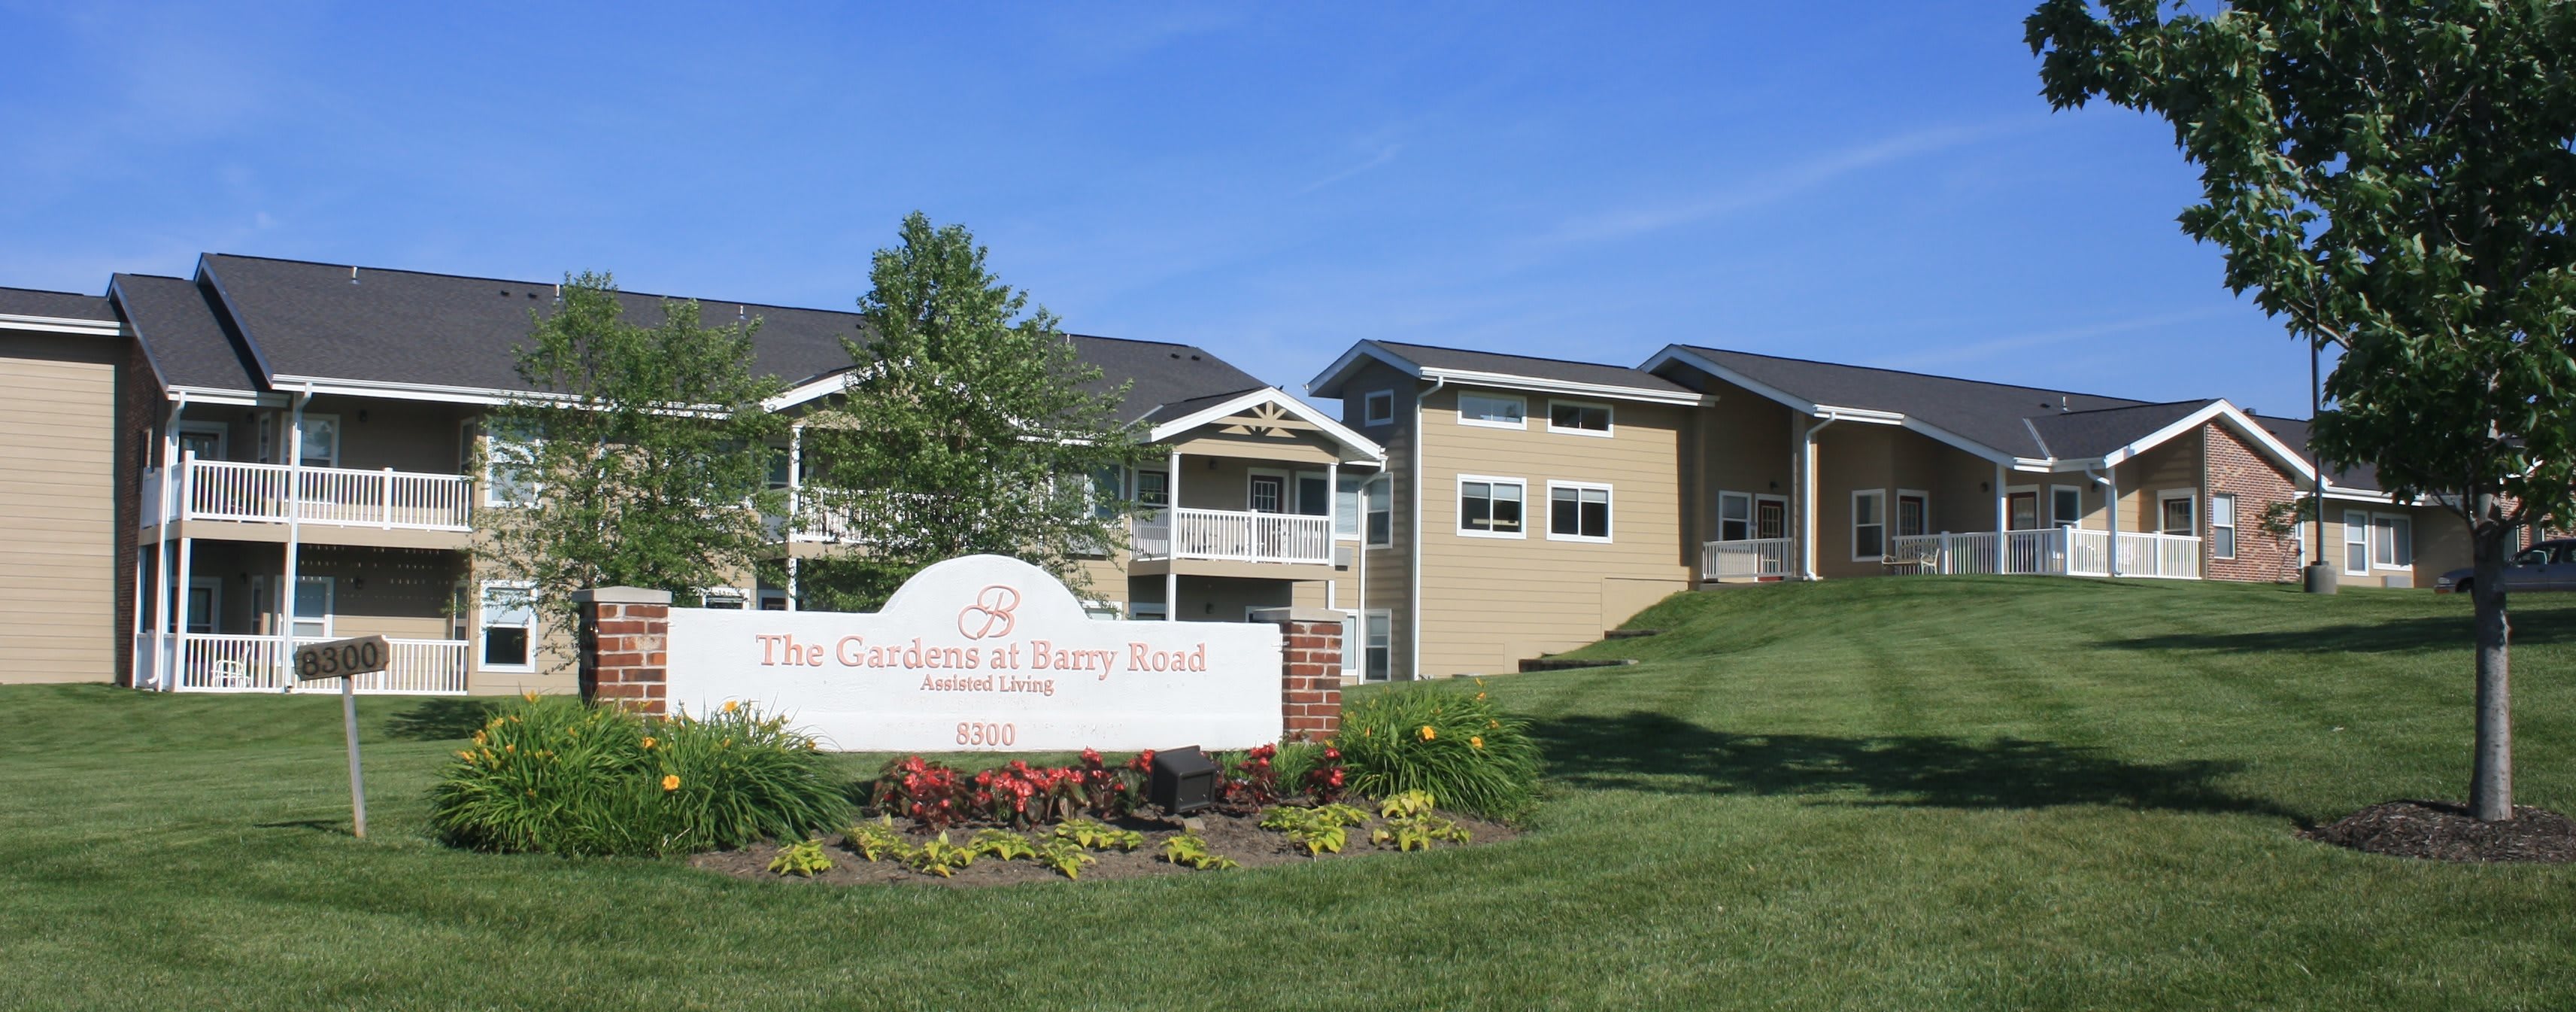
(984, 652)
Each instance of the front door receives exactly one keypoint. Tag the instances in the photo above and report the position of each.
(2023, 509)
(1269, 494)
(1770, 518)
(205, 601)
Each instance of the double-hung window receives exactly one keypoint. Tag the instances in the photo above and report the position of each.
(2356, 542)
(1153, 488)
(509, 466)
(1578, 512)
(2222, 525)
(2065, 506)
(1493, 411)
(1490, 507)
(1734, 516)
(509, 626)
(1869, 525)
(1380, 646)
(2392, 541)
(1380, 493)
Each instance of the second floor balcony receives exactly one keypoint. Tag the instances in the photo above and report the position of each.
(1234, 536)
(242, 492)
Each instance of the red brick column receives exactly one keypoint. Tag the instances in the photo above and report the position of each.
(1310, 680)
(624, 635)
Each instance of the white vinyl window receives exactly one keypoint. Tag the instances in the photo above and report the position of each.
(1346, 505)
(723, 598)
(1153, 488)
(1578, 512)
(313, 596)
(1381, 510)
(2222, 525)
(1493, 411)
(1578, 418)
(509, 630)
(1734, 516)
(2356, 543)
(1869, 525)
(509, 460)
(1377, 407)
(2392, 541)
(1490, 507)
(1380, 662)
(2065, 506)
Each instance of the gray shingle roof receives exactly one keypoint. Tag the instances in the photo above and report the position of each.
(1987, 413)
(2098, 432)
(2294, 431)
(182, 331)
(307, 319)
(1433, 357)
(59, 305)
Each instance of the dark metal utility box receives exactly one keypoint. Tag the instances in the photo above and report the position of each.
(1183, 780)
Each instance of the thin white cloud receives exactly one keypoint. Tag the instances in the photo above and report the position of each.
(1955, 354)
(1789, 181)
(1382, 157)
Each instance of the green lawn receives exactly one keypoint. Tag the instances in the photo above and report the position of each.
(1902, 793)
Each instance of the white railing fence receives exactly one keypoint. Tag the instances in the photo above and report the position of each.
(2056, 551)
(1229, 535)
(342, 497)
(217, 662)
(1759, 558)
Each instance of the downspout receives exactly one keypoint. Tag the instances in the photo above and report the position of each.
(1807, 498)
(1414, 671)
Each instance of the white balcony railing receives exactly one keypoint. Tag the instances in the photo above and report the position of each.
(1757, 559)
(341, 497)
(209, 662)
(2056, 551)
(1228, 535)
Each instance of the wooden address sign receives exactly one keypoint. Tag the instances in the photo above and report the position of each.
(342, 658)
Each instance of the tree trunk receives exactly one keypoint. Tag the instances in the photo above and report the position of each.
(2491, 781)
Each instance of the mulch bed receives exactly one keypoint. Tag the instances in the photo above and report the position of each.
(2442, 831)
(1236, 836)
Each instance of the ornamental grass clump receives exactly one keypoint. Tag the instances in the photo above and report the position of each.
(1452, 742)
(552, 775)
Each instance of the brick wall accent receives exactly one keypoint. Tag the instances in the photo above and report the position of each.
(625, 633)
(2234, 468)
(1310, 682)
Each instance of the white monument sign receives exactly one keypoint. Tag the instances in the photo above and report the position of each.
(983, 653)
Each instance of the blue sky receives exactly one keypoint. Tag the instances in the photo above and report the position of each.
(1877, 184)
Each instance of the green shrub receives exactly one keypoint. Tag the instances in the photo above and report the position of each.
(1450, 741)
(552, 775)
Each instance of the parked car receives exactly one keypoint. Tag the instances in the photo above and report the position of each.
(2549, 565)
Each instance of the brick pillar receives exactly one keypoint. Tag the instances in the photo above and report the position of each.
(1310, 682)
(624, 633)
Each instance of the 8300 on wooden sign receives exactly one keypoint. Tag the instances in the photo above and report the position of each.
(342, 658)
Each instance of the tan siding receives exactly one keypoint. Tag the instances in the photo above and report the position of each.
(1490, 602)
(58, 395)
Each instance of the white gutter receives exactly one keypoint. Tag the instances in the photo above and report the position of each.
(1807, 495)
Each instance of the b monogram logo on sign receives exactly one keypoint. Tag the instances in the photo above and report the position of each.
(990, 615)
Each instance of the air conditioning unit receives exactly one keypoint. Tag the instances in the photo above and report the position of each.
(1343, 555)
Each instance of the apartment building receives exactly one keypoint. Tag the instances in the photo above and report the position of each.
(276, 451)
(1538, 502)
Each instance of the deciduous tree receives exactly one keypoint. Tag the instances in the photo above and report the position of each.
(639, 459)
(968, 425)
(2393, 178)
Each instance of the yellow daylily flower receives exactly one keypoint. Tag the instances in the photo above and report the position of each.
(1428, 733)
(670, 782)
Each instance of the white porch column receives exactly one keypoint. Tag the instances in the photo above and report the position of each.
(2111, 515)
(161, 549)
(1172, 529)
(1805, 489)
(795, 506)
(294, 537)
(2003, 522)
(177, 644)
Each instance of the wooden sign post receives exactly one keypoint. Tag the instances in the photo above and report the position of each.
(346, 660)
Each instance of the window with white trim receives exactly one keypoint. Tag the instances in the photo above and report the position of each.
(2173, 513)
(313, 600)
(1380, 664)
(509, 626)
(1734, 516)
(1869, 525)
(1493, 411)
(1377, 407)
(1153, 488)
(2392, 541)
(2356, 543)
(772, 598)
(2065, 505)
(1579, 418)
(1490, 507)
(509, 466)
(1346, 505)
(1381, 510)
(2222, 525)
(723, 598)
(1578, 512)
